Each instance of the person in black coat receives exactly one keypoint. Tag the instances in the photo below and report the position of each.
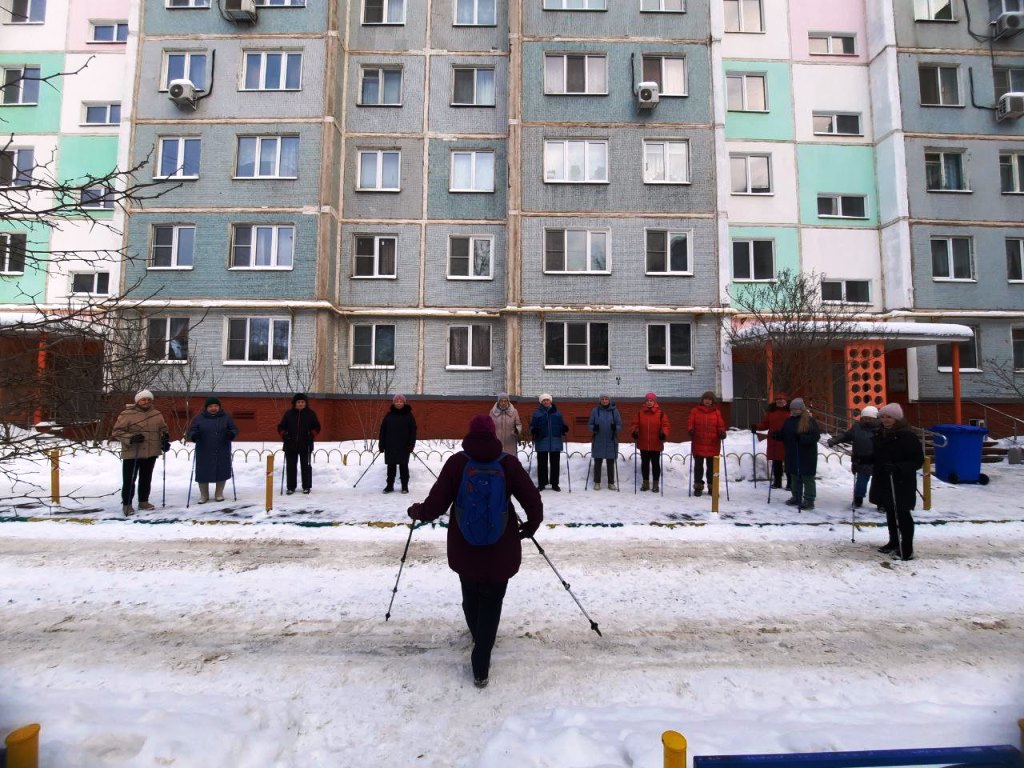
(862, 437)
(212, 430)
(397, 441)
(298, 429)
(897, 457)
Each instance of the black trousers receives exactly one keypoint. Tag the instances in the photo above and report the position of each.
(548, 468)
(901, 529)
(143, 468)
(301, 457)
(703, 466)
(611, 470)
(481, 602)
(650, 463)
(403, 472)
(777, 474)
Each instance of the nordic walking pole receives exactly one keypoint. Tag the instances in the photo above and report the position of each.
(725, 470)
(412, 527)
(689, 459)
(853, 522)
(896, 513)
(231, 469)
(375, 457)
(163, 493)
(568, 474)
(283, 463)
(661, 472)
(589, 465)
(191, 474)
(634, 467)
(421, 461)
(753, 454)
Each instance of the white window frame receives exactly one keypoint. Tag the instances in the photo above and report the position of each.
(840, 199)
(942, 153)
(201, 5)
(831, 40)
(94, 289)
(184, 145)
(749, 241)
(282, 84)
(23, 163)
(386, 9)
(377, 274)
(645, 6)
(1015, 161)
(472, 329)
(26, 75)
(669, 151)
(744, 78)
(34, 12)
(380, 70)
(1014, 77)
(116, 28)
(278, 155)
(1017, 244)
(373, 346)
(280, 3)
(478, 160)
(834, 123)
(974, 344)
(950, 260)
(662, 79)
(165, 74)
(589, 145)
(843, 284)
(1018, 361)
(746, 157)
(669, 235)
(938, 69)
(168, 339)
(588, 344)
(280, 260)
(8, 241)
(471, 241)
(741, 17)
(591, 244)
(667, 365)
(926, 10)
(102, 198)
(476, 14)
(273, 321)
(378, 180)
(107, 106)
(570, 5)
(176, 247)
(476, 86)
(589, 89)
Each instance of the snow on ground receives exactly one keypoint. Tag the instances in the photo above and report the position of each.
(224, 635)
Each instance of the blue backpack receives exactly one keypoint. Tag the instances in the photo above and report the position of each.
(481, 506)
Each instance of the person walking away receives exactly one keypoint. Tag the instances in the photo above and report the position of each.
(298, 429)
(861, 437)
(775, 452)
(507, 424)
(897, 458)
(212, 431)
(605, 423)
(706, 429)
(143, 434)
(547, 428)
(397, 441)
(484, 569)
(650, 430)
(799, 435)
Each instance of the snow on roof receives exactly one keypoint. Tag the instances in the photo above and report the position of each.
(895, 334)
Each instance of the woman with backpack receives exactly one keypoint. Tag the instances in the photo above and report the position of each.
(547, 427)
(800, 435)
(706, 428)
(605, 423)
(650, 430)
(897, 458)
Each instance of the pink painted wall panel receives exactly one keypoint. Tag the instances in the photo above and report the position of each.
(82, 12)
(843, 16)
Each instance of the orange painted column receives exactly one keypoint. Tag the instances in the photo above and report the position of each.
(37, 416)
(769, 362)
(958, 417)
(865, 374)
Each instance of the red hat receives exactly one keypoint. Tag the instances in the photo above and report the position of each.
(781, 396)
(651, 396)
(482, 423)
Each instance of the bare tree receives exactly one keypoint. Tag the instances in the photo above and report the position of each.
(371, 388)
(299, 376)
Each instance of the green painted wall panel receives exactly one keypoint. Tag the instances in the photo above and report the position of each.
(777, 123)
(45, 116)
(29, 287)
(787, 250)
(830, 169)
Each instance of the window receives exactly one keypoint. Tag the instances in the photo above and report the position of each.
(827, 44)
(1015, 259)
(373, 346)
(179, 159)
(379, 170)
(103, 114)
(173, 246)
(668, 253)
(258, 339)
(1008, 80)
(842, 206)
(575, 5)
(968, 354)
(1011, 172)
(188, 3)
(375, 256)
(1007, 6)
(470, 257)
(469, 346)
(109, 32)
(747, 93)
(933, 10)
(566, 74)
(743, 16)
(28, 11)
(940, 85)
(383, 11)
(281, 3)
(472, 171)
(669, 72)
(666, 162)
(97, 198)
(1017, 340)
(837, 123)
(753, 260)
(90, 282)
(668, 345)
(575, 161)
(185, 65)
(664, 6)
(576, 345)
(473, 87)
(951, 258)
(575, 250)
(268, 157)
(16, 167)
(848, 291)
(475, 13)
(262, 246)
(272, 71)
(751, 174)
(21, 85)
(944, 172)
(167, 339)
(12, 253)
(380, 87)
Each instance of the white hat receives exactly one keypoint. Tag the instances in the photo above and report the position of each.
(143, 394)
(870, 411)
(894, 410)
(545, 396)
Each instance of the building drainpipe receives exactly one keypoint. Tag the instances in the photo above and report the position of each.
(957, 412)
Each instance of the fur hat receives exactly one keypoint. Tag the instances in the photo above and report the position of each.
(398, 397)
(143, 394)
(482, 424)
(211, 400)
(870, 412)
(299, 396)
(544, 396)
(503, 396)
(603, 395)
(651, 396)
(891, 409)
(797, 404)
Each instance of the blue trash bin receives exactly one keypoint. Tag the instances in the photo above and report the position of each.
(959, 460)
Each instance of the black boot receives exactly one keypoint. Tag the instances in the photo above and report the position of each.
(389, 488)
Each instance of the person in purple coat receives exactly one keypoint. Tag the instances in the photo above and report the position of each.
(483, 570)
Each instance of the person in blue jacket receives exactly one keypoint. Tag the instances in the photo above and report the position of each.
(212, 431)
(547, 427)
(606, 423)
(800, 434)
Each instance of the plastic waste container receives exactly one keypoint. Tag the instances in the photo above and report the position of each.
(959, 460)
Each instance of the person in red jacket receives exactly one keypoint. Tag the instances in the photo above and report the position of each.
(706, 428)
(483, 570)
(773, 420)
(650, 431)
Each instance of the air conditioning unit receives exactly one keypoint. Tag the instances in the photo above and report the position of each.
(647, 95)
(182, 92)
(1009, 24)
(240, 10)
(1010, 106)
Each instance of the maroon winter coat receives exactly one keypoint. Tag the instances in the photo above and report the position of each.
(501, 560)
(705, 426)
(773, 420)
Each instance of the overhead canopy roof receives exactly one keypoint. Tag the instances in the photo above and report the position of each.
(838, 333)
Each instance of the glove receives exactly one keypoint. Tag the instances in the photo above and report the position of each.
(535, 433)
(411, 447)
(285, 435)
(722, 435)
(414, 511)
(165, 443)
(228, 437)
(830, 443)
(636, 435)
(597, 428)
(891, 468)
(691, 433)
(565, 430)
(662, 437)
(753, 429)
(380, 447)
(138, 438)
(524, 531)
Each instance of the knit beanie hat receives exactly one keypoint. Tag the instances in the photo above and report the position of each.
(545, 396)
(503, 396)
(396, 398)
(143, 394)
(891, 409)
(651, 396)
(211, 400)
(870, 412)
(482, 424)
(797, 404)
(299, 396)
(604, 395)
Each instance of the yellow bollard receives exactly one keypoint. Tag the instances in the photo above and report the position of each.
(927, 489)
(714, 485)
(55, 476)
(23, 747)
(270, 481)
(675, 749)
(344, 459)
